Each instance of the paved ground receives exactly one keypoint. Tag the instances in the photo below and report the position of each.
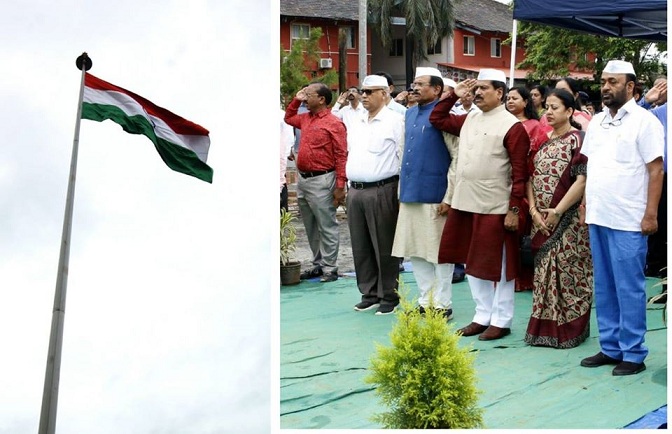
(303, 254)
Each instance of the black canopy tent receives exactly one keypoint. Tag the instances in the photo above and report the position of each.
(635, 19)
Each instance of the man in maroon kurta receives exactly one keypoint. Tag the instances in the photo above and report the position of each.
(482, 224)
(321, 185)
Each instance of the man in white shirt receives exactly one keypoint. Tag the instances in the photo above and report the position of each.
(348, 107)
(624, 145)
(467, 104)
(286, 143)
(373, 170)
(389, 101)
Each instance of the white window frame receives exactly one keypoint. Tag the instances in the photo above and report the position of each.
(351, 40)
(301, 35)
(469, 45)
(495, 47)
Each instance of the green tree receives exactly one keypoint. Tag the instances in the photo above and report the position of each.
(425, 378)
(551, 50)
(299, 66)
(427, 22)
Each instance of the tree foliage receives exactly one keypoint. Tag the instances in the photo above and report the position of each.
(299, 66)
(425, 378)
(427, 22)
(551, 50)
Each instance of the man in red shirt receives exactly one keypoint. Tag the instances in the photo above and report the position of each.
(321, 185)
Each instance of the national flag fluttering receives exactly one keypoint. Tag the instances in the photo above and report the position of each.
(182, 144)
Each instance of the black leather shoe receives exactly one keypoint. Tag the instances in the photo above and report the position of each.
(313, 272)
(458, 277)
(628, 368)
(329, 277)
(598, 359)
(473, 329)
(492, 333)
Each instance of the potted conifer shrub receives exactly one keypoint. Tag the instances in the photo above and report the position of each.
(290, 269)
(425, 379)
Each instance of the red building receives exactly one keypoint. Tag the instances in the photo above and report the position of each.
(481, 27)
(298, 17)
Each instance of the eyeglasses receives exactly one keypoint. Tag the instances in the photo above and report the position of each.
(369, 91)
(310, 95)
(613, 123)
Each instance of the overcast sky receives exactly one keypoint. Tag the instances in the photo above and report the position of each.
(168, 316)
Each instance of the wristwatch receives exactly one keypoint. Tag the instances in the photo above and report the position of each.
(515, 210)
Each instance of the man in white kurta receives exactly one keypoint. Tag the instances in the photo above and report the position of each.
(482, 224)
(423, 186)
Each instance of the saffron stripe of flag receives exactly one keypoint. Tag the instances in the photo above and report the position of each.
(182, 144)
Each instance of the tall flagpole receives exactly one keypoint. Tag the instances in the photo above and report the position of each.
(51, 378)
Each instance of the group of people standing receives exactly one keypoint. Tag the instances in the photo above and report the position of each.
(445, 187)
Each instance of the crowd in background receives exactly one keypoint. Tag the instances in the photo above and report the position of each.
(471, 176)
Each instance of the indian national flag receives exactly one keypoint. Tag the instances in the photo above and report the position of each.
(182, 144)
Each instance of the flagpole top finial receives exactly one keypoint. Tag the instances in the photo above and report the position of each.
(84, 62)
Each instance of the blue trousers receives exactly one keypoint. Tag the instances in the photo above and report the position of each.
(620, 291)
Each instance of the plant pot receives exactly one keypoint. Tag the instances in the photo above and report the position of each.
(290, 274)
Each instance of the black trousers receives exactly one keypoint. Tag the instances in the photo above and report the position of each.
(656, 258)
(284, 197)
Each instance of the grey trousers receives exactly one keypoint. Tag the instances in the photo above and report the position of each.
(372, 220)
(315, 197)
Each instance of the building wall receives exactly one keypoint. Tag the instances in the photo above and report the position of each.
(452, 51)
(329, 45)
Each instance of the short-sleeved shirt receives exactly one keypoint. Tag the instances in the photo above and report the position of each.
(374, 146)
(618, 149)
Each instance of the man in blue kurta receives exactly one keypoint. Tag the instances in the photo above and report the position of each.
(423, 186)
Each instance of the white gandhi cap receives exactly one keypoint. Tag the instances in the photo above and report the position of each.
(423, 70)
(619, 67)
(374, 82)
(492, 75)
(449, 82)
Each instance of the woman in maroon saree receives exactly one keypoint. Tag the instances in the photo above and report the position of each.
(519, 103)
(563, 268)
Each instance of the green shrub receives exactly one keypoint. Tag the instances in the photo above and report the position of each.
(287, 236)
(425, 379)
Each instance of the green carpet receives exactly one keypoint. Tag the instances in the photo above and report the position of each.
(326, 347)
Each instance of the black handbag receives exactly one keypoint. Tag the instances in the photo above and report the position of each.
(526, 255)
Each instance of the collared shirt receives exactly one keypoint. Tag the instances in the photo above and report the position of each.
(460, 110)
(286, 143)
(374, 146)
(323, 141)
(348, 114)
(618, 149)
(661, 113)
(396, 106)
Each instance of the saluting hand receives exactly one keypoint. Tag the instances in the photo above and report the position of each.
(464, 87)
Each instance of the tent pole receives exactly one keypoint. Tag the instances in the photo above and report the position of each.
(514, 38)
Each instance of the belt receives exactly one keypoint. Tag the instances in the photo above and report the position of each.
(315, 173)
(362, 185)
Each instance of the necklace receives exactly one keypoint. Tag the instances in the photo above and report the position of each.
(555, 136)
